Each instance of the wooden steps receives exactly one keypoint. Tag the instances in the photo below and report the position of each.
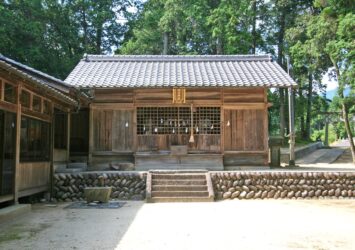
(179, 186)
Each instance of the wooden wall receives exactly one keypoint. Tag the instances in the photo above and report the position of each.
(200, 96)
(244, 108)
(113, 130)
(33, 177)
(246, 130)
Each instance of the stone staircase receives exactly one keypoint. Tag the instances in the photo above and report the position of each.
(179, 186)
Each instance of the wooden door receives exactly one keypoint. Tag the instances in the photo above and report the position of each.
(244, 130)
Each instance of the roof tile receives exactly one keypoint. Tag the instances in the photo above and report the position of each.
(139, 71)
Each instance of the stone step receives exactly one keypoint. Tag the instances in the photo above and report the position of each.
(179, 182)
(178, 176)
(179, 194)
(180, 199)
(179, 188)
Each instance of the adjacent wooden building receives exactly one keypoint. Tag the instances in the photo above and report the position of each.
(34, 113)
(177, 112)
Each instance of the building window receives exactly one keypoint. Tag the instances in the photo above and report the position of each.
(177, 120)
(46, 107)
(36, 103)
(207, 120)
(25, 99)
(10, 93)
(60, 131)
(35, 140)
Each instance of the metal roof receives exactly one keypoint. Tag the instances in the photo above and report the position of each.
(152, 71)
(49, 83)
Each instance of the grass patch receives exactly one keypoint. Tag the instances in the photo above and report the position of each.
(18, 232)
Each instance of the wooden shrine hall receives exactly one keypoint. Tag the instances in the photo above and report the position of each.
(175, 112)
(30, 103)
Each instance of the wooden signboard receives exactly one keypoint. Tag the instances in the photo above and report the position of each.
(179, 95)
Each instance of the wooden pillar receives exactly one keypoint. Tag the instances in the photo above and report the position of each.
(266, 127)
(68, 136)
(17, 149)
(51, 169)
(91, 134)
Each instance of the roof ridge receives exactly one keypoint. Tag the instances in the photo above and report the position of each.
(172, 58)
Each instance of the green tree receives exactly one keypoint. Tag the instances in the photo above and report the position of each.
(331, 34)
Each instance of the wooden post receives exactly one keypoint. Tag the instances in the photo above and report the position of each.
(68, 136)
(51, 167)
(91, 134)
(17, 149)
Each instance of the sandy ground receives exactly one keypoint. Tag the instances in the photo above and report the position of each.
(254, 224)
(345, 158)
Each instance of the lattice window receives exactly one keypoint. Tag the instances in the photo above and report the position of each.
(207, 120)
(177, 120)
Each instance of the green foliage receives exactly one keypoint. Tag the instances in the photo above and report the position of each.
(52, 35)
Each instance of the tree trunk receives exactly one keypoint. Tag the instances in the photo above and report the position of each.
(85, 29)
(301, 107)
(219, 46)
(309, 107)
(348, 130)
(98, 40)
(280, 46)
(254, 6)
(165, 43)
(345, 112)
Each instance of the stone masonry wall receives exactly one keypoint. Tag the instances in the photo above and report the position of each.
(283, 185)
(125, 185)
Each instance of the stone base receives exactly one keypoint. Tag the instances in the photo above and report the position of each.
(101, 194)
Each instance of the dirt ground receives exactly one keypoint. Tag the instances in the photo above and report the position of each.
(246, 224)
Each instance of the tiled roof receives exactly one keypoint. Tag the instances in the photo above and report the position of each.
(137, 71)
(49, 83)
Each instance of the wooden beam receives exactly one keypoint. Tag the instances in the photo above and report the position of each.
(2, 89)
(8, 106)
(259, 105)
(36, 115)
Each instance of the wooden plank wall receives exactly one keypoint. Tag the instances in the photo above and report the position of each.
(246, 131)
(33, 175)
(243, 95)
(244, 107)
(110, 131)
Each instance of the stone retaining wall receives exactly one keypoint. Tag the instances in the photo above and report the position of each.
(283, 185)
(125, 185)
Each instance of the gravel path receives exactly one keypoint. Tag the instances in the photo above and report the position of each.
(246, 224)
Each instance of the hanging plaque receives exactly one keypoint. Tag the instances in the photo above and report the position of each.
(179, 95)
